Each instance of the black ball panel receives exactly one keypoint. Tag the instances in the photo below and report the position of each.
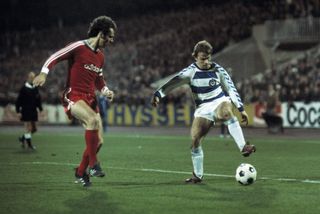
(250, 180)
(241, 173)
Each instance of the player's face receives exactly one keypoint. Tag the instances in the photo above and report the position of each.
(203, 60)
(31, 77)
(107, 38)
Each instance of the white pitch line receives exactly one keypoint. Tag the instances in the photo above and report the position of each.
(173, 172)
(181, 172)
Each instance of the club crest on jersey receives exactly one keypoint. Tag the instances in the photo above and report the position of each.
(92, 67)
(212, 82)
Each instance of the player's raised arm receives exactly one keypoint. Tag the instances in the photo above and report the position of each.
(176, 81)
(55, 58)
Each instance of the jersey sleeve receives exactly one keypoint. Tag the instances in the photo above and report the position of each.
(228, 85)
(179, 79)
(58, 56)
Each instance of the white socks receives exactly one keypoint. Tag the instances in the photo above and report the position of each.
(197, 153)
(197, 161)
(27, 135)
(236, 132)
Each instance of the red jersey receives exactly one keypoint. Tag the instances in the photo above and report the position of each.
(85, 67)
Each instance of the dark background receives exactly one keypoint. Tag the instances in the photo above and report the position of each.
(20, 15)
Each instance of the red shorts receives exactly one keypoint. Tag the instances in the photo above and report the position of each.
(70, 97)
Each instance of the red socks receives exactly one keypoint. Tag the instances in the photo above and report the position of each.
(84, 163)
(92, 140)
(89, 156)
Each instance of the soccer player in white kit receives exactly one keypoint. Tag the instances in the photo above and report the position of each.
(209, 83)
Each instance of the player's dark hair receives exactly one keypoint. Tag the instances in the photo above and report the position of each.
(202, 46)
(101, 23)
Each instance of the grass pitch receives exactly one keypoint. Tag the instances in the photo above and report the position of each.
(145, 174)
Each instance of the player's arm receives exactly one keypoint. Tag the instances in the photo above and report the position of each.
(176, 81)
(230, 88)
(105, 91)
(39, 102)
(18, 102)
(102, 87)
(55, 58)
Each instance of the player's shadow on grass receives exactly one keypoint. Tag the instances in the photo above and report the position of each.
(255, 195)
(142, 184)
(92, 202)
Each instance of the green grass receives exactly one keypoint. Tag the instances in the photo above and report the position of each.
(42, 181)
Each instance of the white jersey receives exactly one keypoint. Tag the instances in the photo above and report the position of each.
(207, 85)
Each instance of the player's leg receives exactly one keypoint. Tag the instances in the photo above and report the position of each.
(22, 138)
(222, 130)
(199, 129)
(85, 157)
(81, 174)
(27, 135)
(100, 133)
(83, 112)
(90, 119)
(33, 127)
(225, 114)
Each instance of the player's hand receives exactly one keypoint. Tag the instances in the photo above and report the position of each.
(19, 115)
(245, 117)
(40, 79)
(155, 101)
(109, 94)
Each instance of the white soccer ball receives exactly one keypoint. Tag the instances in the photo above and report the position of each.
(246, 174)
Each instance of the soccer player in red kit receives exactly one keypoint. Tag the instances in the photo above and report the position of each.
(86, 59)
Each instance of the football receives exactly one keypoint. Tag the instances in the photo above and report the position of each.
(246, 174)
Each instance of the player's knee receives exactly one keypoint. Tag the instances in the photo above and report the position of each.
(225, 112)
(93, 122)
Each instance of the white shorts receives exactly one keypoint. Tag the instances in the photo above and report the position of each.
(207, 110)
